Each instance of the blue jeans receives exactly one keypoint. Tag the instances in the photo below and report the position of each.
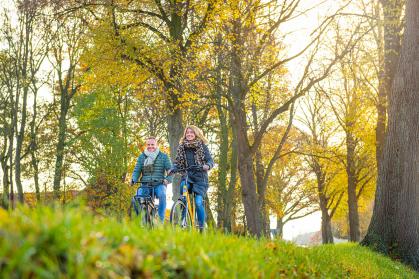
(199, 203)
(160, 193)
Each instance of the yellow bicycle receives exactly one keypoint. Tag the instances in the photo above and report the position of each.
(183, 213)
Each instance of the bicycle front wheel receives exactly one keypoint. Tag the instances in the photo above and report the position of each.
(179, 215)
(139, 214)
(152, 216)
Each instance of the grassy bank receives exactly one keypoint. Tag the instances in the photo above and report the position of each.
(53, 243)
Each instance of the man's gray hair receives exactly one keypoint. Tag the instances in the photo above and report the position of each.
(152, 138)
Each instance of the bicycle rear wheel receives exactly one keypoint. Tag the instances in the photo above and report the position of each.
(179, 215)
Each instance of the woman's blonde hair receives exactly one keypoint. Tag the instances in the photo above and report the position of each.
(198, 133)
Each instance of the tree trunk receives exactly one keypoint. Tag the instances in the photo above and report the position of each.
(222, 167)
(11, 136)
(5, 197)
(209, 217)
(10, 151)
(33, 148)
(62, 130)
(223, 135)
(19, 145)
(245, 155)
(392, 10)
(175, 117)
(245, 166)
(327, 236)
(279, 227)
(23, 77)
(326, 226)
(222, 173)
(175, 130)
(261, 186)
(354, 233)
(395, 222)
(247, 180)
(4, 167)
(34, 163)
(229, 200)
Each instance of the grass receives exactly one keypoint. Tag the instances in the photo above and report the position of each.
(72, 243)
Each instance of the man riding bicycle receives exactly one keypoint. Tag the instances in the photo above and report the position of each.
(151, 166)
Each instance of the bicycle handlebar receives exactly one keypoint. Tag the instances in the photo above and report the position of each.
(148, 184)
(193, 167)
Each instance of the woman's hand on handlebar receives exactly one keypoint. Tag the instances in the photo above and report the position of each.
(194, 167)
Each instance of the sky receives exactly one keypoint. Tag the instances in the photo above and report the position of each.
(298, 36)
(299, 31)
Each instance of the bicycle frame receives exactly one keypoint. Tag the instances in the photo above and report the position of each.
(148, 202)
(188, 200)
(189, 205)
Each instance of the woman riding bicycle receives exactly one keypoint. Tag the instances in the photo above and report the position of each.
(193, 151)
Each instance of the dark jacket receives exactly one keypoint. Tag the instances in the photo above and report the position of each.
(161, 165)
(198, 178)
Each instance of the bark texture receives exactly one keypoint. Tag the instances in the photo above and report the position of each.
(394, 228)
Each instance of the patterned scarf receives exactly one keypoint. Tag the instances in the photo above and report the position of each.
(199, 154)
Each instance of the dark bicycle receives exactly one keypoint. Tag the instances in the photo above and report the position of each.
(143, 208)
(184, 208)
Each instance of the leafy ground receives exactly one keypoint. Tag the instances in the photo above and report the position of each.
(71, 243)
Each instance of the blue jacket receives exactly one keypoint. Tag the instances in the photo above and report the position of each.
(161, 165)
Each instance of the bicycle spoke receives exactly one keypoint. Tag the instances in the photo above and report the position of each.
(179, 216)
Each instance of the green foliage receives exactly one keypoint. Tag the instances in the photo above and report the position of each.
(103, 137)
(72, 243)
(102, 148)
(109, 196)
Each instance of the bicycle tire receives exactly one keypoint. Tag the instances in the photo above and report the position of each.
(150, 215)
(177, 219)
(140, 217)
